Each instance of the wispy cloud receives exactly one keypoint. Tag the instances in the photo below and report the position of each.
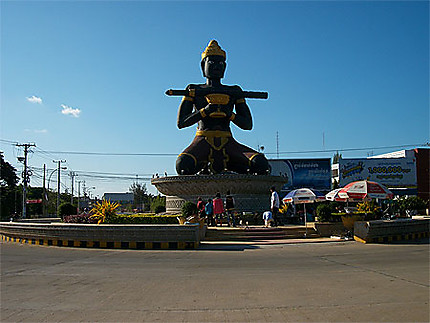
(36, 130)
(34, 99)
(70, 111)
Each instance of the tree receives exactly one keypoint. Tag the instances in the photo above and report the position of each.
(8, 177)
(8, 188)
(141, 196)
(336, 157)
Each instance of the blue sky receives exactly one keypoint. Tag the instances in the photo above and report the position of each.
(90, 77)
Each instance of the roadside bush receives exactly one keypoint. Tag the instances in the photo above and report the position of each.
(158, 204)
(145, 219)
(159, 209)
(67, 209)
(411, 204)
(370, 209)
(324, 212)
(189, 209)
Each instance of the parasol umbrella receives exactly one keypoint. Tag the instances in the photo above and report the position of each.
(366, 189)
(304, 196)
(334, 195)
(337, 195)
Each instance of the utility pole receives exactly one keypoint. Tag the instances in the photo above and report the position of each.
(72, 177)
(44, 192)
(58, 184)
(79, 194)
(277, 144)
(25, 178)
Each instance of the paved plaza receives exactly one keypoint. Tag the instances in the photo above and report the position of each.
(310, 282)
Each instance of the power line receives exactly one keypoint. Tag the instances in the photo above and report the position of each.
(84, 172)
(111, 154)
(270, 153)
(48, 153)
(346, 149)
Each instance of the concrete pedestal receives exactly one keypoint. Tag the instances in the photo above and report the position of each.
(251, 192)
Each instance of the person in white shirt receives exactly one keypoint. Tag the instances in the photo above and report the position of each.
(267, 217)
(274, 205)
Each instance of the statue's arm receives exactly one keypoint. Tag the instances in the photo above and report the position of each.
(187, 115)
(242, 118)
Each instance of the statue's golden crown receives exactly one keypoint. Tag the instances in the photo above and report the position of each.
(213, 49)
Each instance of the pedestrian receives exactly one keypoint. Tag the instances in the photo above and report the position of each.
(229, 207)
(274, 205)
(209, 210)
(200, 207)
(218, 208)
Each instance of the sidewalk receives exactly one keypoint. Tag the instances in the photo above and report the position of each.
(258, 235)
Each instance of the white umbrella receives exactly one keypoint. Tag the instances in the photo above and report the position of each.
(304, 196)
(337, 195)
(366, 189)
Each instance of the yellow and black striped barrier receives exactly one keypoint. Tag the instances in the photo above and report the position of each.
(102, 244)
(393, 238)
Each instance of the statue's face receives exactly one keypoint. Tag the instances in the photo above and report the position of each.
(214, 66)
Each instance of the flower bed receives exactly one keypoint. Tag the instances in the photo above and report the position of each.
(139, 218)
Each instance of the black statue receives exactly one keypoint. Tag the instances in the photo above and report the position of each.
(212, 106)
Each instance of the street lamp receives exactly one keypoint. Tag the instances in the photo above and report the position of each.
(59, 168)
(50, 175)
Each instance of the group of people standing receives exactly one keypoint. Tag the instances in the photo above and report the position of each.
(214, 209)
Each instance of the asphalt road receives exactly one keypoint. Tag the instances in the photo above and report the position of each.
(305, 282)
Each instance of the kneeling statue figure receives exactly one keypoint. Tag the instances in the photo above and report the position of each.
(213, 106)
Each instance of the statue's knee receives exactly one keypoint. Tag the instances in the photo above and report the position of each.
(186, 165)
(260, 165)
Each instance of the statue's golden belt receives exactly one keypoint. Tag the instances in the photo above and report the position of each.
(213, 133)
(217, 139)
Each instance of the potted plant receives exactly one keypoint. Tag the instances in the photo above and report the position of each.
(326, 226)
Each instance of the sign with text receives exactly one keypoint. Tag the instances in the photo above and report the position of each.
(34, 201)
(391, 172)
(312, 173)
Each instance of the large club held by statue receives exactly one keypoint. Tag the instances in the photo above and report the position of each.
(204, 92)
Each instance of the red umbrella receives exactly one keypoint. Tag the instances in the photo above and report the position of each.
(366, 189)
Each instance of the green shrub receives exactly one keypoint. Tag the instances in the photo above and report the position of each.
(324, 212)
(142, 218)
(67, 209)
(159, 209)
(411, 203)
(158, 204)
(189, 209)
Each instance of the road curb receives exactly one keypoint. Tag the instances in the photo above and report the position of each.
(102, 244)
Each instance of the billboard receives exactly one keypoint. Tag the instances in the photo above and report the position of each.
(391, 172)
(310, 173)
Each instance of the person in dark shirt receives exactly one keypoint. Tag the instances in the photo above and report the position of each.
(229, 206)
(209, 210)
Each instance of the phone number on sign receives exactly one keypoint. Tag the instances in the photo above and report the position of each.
(388, 170)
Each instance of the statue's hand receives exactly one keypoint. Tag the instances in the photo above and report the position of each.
(210, 108)
(228, 110)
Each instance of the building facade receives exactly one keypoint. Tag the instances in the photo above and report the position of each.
(404, 172)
